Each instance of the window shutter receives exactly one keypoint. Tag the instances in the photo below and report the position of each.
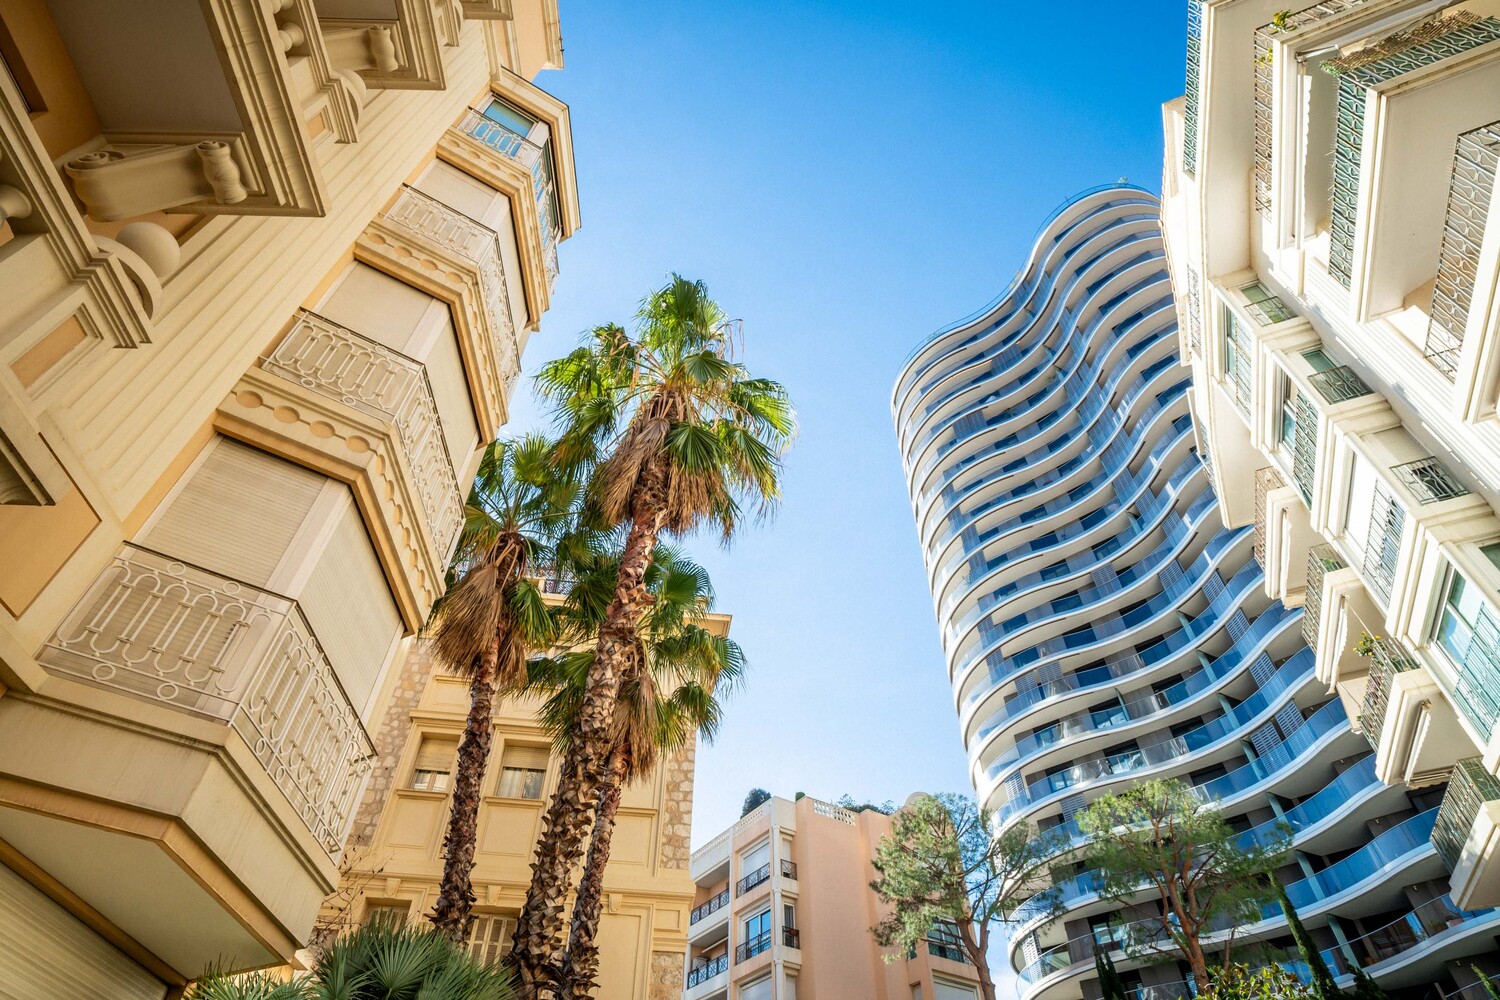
(437, 753)
(755, 858)
(526, 758)
(350, 608)
(238, 513)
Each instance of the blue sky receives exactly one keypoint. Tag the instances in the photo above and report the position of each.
(847, 177)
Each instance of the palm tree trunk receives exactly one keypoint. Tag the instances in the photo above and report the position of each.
(570, 816)
(453, 913)
(582, 959)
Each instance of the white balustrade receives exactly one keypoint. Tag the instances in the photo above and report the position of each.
(429, 218)
(336, 362)
(831, 811)
(163, 630)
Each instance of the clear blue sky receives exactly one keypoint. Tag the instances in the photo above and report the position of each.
(847, 177)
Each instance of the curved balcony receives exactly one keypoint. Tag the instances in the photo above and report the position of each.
(1088, 354)
(1184, 750)
(1146, 511)
(935, 348)
(1220, 609)
(1108, 441)
(1271, 624)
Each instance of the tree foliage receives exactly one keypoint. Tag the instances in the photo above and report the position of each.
(1161, 852)
(753, 801)
(383, 960)
(1269, 982)
(940, 862)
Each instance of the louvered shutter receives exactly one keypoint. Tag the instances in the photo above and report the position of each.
(350, 608)
(526, 758)
(436, 753)
(237, 514)
(450, 388)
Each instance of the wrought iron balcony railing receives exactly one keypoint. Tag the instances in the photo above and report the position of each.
(788, 869)
(319, 354)
(165, 631)
(750, 881)
(946, 949)
(749, 949)
(1320, 559)
(1469, 787)
(791, 937)
(1387, 659)
(1336, 385)
(1470, 189)
(1430, 481)
(708, 970)
(708, 907)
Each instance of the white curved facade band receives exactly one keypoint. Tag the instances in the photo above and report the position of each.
(1101, 625)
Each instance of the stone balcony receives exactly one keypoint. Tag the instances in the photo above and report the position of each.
(214, 765)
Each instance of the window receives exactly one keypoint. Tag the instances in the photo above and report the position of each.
(758, 990)
(1319, 360)
(523, 771)
(788, 915)
(1238, 362)
(1288, 413)
(507, 114)
(490, 937)
(389, 913)
(1492, 553)
(434, 764)
(757, 937)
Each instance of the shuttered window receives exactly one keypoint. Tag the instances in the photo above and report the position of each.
(942, 990)
(238, 512)
(523, 772)
(758, 990)
(450, 389)
(490, 936)
(392, 914)
(349, 606)
(755, 858)
(434, 764)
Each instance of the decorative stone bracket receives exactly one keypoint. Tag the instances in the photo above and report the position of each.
(405, 53)
(127, 180)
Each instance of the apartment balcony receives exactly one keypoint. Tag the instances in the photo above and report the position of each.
(331, 399)
(533, 168)
(1405, 951)
(1467, 834)
(1406, 717)
(709, 920)
(215, 765)
(709, 979)
(753, 879)
(1399, 107)
(758, 945)
(439, 250)
(1470, 197)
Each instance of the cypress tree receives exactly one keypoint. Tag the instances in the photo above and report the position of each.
(1111, 986)
(1323, 983)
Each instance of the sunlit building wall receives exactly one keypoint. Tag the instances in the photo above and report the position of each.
(1102, 624)
(1334, 234)
(267, 272)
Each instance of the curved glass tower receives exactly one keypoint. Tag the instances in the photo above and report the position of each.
(1102, 625)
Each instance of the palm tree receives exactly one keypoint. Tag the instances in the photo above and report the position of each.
(488, 622)
(669, 695)
(677, 435)
(380, 960)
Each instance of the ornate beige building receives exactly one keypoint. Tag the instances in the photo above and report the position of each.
(394, 861)
(267, 270)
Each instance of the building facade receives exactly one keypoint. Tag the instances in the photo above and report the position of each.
(1106, 620)
(1341, 319)
(267, 271)
(393, 863)
(784, 908)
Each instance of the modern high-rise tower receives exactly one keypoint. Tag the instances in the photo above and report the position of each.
(1102, 625)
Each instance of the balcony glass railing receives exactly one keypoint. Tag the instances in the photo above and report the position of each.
(1167, 747)
(1219, 610)
(1429, 920)
(537, 159)
(1024, 299)
(1395, 845)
